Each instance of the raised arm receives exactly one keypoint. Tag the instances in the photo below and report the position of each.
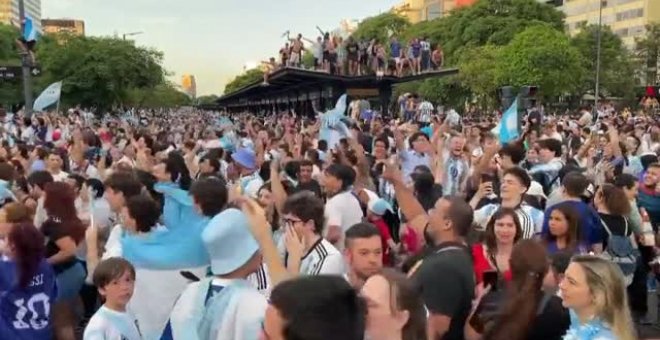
(410, 206)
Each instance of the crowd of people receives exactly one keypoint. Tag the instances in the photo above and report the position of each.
(187, 224)
(354, 57)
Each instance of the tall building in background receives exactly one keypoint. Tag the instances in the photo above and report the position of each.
(411, 9)
(9, 12)
(422, 10)
(75, 27)
(627, 18)
(188, 84)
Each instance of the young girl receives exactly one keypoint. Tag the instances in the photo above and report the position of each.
(376, 210)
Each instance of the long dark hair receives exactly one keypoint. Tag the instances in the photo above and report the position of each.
(176, 166)
(61, 209)
(27, 245)
(529, 265)
(573, 233)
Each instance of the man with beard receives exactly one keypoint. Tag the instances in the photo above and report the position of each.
(363, 253)
(649, 196)
(444, 276)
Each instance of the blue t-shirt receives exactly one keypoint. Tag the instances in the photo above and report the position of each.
(25, 312)
(591, 229)
(416, 47)
(395, 48)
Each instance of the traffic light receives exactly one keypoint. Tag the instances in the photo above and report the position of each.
(528, 97)
(506, 96)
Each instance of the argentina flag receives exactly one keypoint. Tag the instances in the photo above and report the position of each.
(50, 96)
(29, 31)
(508, 127)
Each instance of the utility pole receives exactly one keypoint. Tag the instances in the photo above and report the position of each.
(26, 64)
(598, 48)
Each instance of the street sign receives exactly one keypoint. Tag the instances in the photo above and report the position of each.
(15, 72)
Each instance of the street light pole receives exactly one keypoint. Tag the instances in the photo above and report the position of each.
(25, 63)
(598, 48)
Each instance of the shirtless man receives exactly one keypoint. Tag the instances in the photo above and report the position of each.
(296, 51)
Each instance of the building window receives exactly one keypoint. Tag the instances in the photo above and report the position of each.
(622, 32)
(636, 31)
(630, 14)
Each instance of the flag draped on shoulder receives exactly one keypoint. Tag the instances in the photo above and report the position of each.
(50, 96)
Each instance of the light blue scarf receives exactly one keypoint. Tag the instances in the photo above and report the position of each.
(179, 245)
(592, 330)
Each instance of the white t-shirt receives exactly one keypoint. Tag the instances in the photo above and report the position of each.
(107, 324)
(60, 177)
(322, 259)
(342, 210)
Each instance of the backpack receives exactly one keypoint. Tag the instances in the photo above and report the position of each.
(620, 251)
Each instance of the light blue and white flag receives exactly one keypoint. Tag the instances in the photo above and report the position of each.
(50, 96)
(508, 128)
(29, 31)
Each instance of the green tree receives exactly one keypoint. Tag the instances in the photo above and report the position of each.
(164, 95)
(479, 71)
(10, 90)
(647, 51)
(98, 71)
(381, 27)
(210, 99)
(308, 60)
(544, 56)
(243, 80)
(486, 22)
(617, 76)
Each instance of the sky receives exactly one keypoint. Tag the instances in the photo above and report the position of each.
(211, 39)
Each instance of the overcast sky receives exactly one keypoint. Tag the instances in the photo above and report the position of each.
(211, 39)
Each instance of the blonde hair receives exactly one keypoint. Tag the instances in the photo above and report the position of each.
(608, 290)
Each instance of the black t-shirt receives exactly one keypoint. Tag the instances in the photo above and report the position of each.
(616, 225)
(550, 323)
(54, 230)
(446, 281)
(312, 186)
(352, 48)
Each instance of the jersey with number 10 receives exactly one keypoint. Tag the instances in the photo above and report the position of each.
(25, 312)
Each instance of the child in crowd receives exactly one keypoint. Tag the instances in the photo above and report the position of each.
(377, 208)
(115, 279)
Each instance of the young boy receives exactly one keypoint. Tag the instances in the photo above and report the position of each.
(115, 280)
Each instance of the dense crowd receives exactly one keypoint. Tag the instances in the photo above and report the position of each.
(187, 224)
(353, 57)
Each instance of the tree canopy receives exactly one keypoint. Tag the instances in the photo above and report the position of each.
(244, 79)
(544, 56)
(99, 71)
(381, 27)
(647, 52)
(617, 76)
